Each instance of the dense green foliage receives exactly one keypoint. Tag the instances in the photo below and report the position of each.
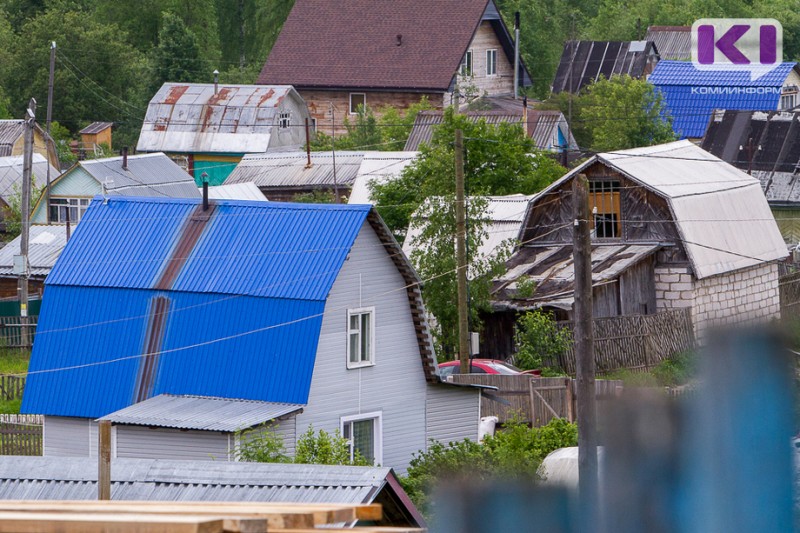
(539, 339)
(672, 372)
(322, 448)
(515, 452)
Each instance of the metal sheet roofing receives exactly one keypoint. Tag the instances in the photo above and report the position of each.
(672, 42)
(10, 132)
(584, 62)
(553, 271)
(11, 175)
(722, 215)
(378, 167)
(147, 175)
(95, 127)
(543, 126)
(75, 478)
(201, 413)
(243, 286)
(190, 117)
(691, 95)
(288, 169)
(236, 191)
(44, 247)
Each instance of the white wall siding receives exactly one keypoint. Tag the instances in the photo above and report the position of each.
(452, 413)
(395, 385)
(168, 443)
(67, 437)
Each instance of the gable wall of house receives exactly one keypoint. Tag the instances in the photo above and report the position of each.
(38, 148)
(788, 220)
(395, 386)
(77, 184)
(295, 135)
(501, 83)
(319, 102)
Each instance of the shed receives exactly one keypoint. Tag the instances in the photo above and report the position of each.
(74, 478)
(95, 134)
(691, 95)
(208, 127)
(584, 62)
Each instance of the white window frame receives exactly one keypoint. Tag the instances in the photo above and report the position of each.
(284, 119)
(377, 427)
(80, 206)
(371, 360)
(354, 110)
(491, 61)
(466, 68)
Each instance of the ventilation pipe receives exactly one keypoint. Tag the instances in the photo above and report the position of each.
(516, 54)
(125, 158)
(205, 191)
(216, 81)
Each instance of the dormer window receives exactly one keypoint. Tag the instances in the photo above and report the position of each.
(604, 204)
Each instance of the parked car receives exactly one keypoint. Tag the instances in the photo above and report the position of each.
(483, 366)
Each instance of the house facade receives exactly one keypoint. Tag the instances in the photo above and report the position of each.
(340, 56)
(672, 227)
(207, 128)
(12, 141)
(308, 313)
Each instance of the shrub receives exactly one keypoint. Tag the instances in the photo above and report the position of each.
(539, 339)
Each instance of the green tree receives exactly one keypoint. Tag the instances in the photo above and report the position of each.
(12, 214)
(262, 445)
(624, 112)
(177, 56)
(395, 127)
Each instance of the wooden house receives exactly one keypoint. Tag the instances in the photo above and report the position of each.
(12, 141)
(342, 55)
(136, 175)
(207, 128)
(672, 227)
(184, 324)
(95, 135)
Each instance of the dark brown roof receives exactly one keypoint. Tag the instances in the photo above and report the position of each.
(389, 44)
(583, 62)
(95, 128)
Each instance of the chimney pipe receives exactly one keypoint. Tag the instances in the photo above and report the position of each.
(125, 158)
(205, 191)
(216, 81)
(516, 55)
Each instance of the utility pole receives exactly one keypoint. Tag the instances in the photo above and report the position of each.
(27, 172)
(516, 54)
(104, 460)
(461, 256)
(333, 154)
(751, 152)
(584, 350)
(47, 138)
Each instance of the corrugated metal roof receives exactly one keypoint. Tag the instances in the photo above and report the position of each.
(721, 212)
(543, 126)
(691, 94)
(378, 167)
(288, 169)
(504, 214)
(11, 175)
(250, 290)
(147, 175)
(10, 132)
(584, 62)
(552, 269)
(190, 117)
(44, 247)
(236, 191)
(202, 413)
(672, 42)
(75, 478)
(95, 127)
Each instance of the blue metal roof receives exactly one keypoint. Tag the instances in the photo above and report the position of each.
(691, 94)
(243, 312)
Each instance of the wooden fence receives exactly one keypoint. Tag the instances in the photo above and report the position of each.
(17, 332)
(531, 399)
(21, 434)
(789, 292)
(635, 342)
(11, 387)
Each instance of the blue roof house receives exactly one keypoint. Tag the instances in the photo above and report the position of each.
(183, 325)
(691, 94)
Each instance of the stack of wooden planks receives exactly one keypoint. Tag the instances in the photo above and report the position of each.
(26, 516)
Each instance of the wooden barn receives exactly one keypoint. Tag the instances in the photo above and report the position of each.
(95, 135)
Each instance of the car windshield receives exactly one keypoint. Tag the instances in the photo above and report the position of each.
(505, 368)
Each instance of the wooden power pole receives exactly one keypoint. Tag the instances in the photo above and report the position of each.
(104, 460)
(461, 256)
(47, 127)
(25, 216)
(584, 350)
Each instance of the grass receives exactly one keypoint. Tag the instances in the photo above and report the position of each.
(677, 370)
(14, 361)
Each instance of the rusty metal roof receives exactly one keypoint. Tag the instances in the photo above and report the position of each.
(191, 118)
(552, 269)
(672, 42)
(95, 128)
(288, 169)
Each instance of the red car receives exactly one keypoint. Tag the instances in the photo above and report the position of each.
(482, 366)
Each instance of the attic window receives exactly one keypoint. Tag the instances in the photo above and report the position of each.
(283, 120)
(491, 62)
(604, 203)
(466, 64)
(58, 209)
(356, 100)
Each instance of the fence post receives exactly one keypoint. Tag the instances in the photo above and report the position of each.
(570, 399)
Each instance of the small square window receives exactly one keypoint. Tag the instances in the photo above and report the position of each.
(283, 121)
(491, 62)
(360, 338)
(605, 226)
(356, 100)
(363, 433)
(466, 64)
